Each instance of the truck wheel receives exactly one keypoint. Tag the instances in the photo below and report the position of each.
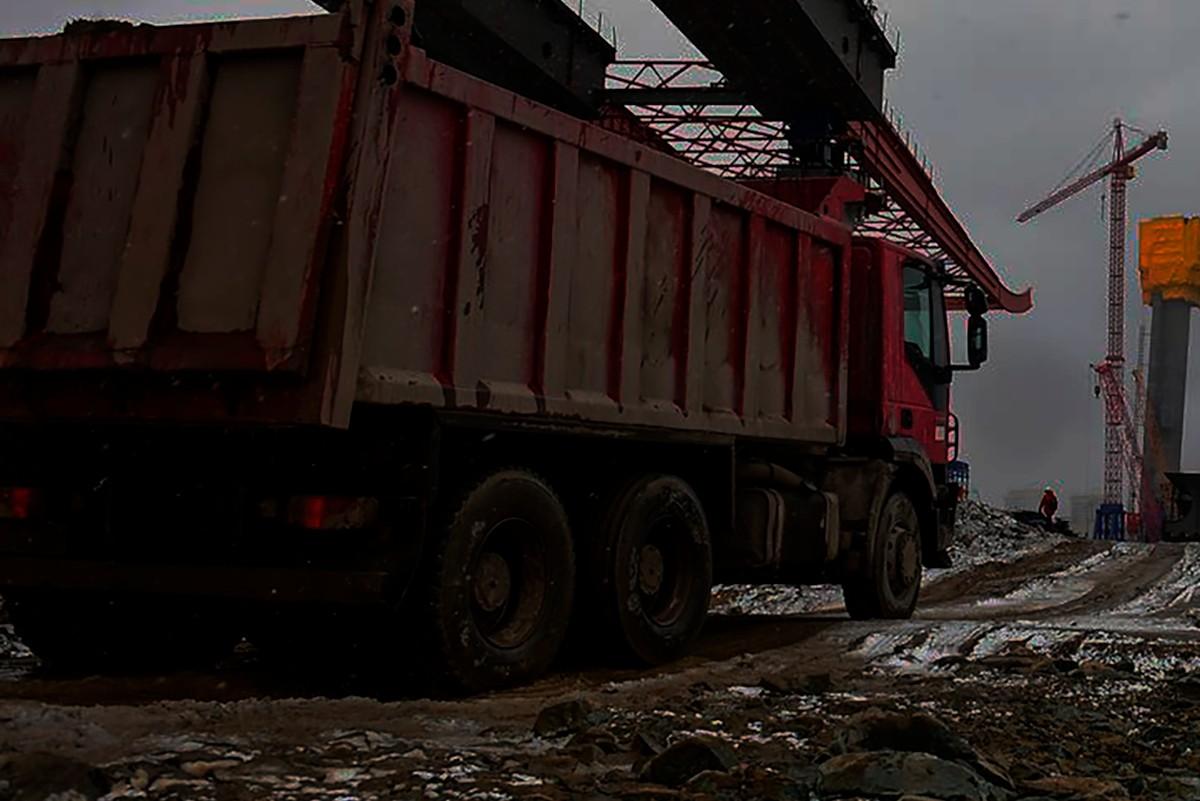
(502, 583)
(891, 581)
(653, 571)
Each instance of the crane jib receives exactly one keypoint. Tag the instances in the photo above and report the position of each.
(1157, 142)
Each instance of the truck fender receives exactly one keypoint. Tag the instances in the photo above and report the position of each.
(907, 451)
(915, 474)
(861, 486)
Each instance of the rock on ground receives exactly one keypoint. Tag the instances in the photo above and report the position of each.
(888, 774)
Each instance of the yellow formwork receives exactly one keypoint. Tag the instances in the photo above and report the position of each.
(1170, 258)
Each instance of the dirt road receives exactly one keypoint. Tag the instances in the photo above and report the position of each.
(1070, 672)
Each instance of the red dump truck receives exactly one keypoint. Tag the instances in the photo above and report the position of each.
(301, 328)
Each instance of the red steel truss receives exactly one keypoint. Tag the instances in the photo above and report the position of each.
(693, 110)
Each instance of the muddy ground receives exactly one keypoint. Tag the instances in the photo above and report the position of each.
(1038, 669)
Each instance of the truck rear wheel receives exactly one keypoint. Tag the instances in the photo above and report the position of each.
(891, 581)
(502, 583)
(652, 576)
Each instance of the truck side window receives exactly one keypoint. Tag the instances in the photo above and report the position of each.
(926, 337)
(918, 312)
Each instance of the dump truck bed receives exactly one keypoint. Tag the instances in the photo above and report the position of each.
(273, 221)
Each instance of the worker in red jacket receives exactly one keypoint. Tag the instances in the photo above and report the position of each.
(1049, 506)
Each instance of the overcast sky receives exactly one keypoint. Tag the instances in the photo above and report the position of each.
(1005, 97)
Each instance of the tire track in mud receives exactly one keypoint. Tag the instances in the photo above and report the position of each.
(1120, 583)
(1109, 578)
(996, 579)
(1088, 610)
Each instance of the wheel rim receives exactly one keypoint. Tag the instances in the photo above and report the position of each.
(664, 578)
(508, 583)
(903, 553)
(493, 582)
(651, 568)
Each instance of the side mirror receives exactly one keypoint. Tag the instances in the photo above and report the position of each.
(977, 341)
(976, 301)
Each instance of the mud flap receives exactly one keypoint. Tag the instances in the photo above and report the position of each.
(947, 512)
(833, 527)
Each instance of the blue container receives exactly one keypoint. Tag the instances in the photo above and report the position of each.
(959, 474)
(1110, 522)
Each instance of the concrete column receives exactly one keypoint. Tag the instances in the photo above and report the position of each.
(1167, 386)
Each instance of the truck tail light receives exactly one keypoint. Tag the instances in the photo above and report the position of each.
(332, 513)
(19, 503)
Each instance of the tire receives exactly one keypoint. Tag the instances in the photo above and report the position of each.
(891, 580)
(501, 584)
(651, 576)
(95, 634)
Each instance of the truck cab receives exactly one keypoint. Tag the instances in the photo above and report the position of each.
(901, 368)
(901, 371)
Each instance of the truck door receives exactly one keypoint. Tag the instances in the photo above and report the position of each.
(919, 402)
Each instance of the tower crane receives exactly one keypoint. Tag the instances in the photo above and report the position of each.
(1119, 171)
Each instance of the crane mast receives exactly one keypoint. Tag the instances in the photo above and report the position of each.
(1114, 424)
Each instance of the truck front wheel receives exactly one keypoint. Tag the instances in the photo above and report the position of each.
(888, 586)
(502, 583)
(652, 574)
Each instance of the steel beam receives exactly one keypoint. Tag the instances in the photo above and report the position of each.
(793, 54)
(542, 50)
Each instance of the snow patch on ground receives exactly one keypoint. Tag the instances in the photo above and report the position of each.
(773, 599)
